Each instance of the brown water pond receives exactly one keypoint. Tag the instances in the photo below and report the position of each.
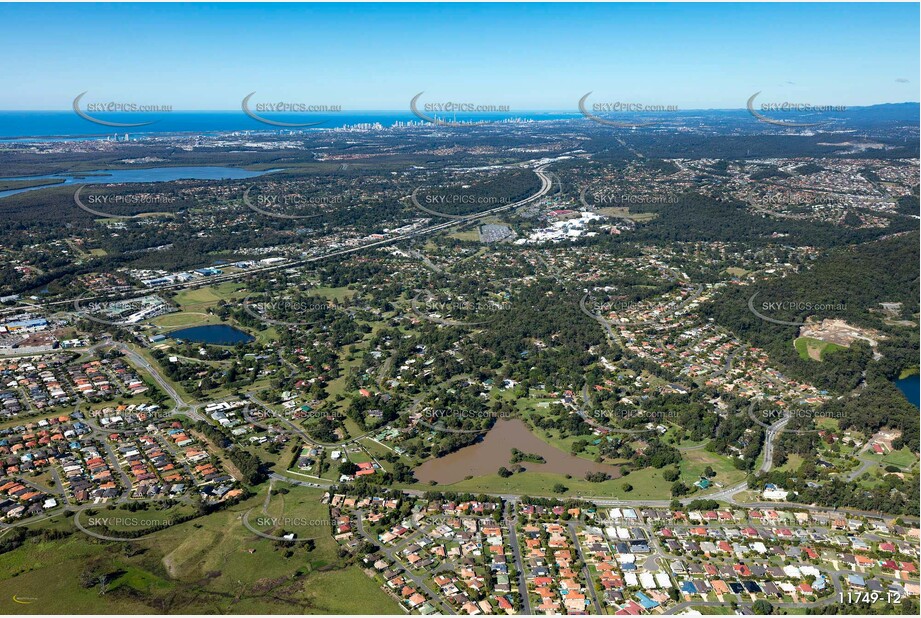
(494, 451)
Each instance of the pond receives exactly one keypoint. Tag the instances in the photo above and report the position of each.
(215, 334)
(910, 388)
(494, 451)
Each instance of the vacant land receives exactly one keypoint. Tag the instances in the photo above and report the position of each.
(211, 564)
(814, 349)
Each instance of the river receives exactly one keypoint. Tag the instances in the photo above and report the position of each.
(150, 174)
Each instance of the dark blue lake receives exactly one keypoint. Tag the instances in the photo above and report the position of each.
(150, 174)
(911, 388)
(215, 334)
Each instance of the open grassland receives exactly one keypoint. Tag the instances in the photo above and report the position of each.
(208, 296)
(211, 564)
(338, 294)
(183, 319)
(902, 458)
(622, 212)
(815, 349)
(472, 235)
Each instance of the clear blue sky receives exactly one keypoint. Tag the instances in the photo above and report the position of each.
(527, 56)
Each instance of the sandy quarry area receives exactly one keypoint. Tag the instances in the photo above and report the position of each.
(839, 332)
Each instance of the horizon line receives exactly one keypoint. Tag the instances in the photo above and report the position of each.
(409, 111)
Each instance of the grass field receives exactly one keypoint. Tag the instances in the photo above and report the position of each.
(469, 235)
(814, 349)
(212, 565)
(119, 519)
(333, 293)
(902, 458)
(206, 296)
(647, 484)
(793, 463)
(624, 213)
(184, 318)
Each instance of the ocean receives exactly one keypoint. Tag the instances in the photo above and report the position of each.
(67, 125)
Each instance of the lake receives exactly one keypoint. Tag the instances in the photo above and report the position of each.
(494, 451)
(911, 388)
(150, 174)
(215, 334)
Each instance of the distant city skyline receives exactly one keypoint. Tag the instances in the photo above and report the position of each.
(529, 57)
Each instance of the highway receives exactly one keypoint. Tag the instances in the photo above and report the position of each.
(540, 170)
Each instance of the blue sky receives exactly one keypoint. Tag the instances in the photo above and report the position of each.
(527, 56)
